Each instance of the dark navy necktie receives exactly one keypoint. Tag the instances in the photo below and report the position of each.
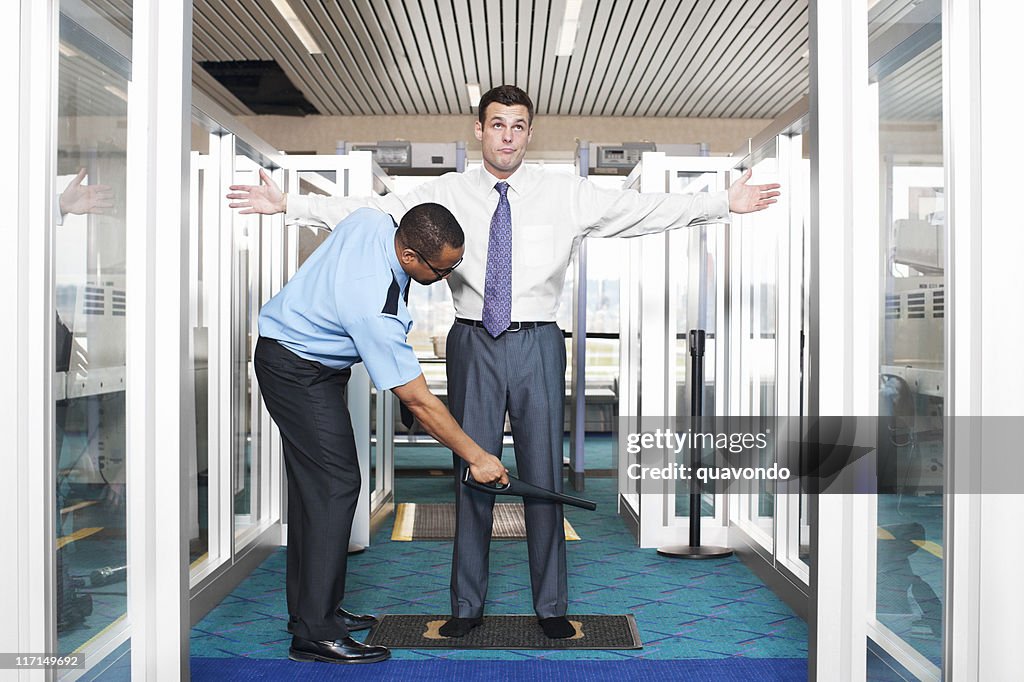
(497, 314)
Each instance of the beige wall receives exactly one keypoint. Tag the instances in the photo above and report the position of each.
(553, 136)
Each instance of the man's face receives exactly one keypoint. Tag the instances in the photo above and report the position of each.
(435, 269)
(503, 136)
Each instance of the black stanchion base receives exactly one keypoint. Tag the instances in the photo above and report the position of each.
(699, 552)
(353, 548)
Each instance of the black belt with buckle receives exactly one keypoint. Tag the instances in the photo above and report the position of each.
(514, 327)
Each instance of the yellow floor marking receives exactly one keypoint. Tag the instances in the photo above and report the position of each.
(76, 507)
(77, 535)
(929, 546)
(570, 532)
(405, 516)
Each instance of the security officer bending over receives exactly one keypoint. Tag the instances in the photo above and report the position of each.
(346, 304)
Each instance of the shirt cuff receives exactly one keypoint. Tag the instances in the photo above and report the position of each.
(297, 208)
(718, 207)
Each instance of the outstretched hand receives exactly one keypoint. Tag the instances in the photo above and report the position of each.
(744, 198)
(79, 199)
(266, 197)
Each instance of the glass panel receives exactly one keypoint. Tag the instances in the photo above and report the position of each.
(695, 309)
(204, 181)
(801, 178)
(909, 596)
(604, 267)
(89, 274)
(759, 279)
(245, 295)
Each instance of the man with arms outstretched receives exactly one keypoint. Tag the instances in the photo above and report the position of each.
(504, 353)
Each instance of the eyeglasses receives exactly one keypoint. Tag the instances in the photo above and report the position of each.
(440, 274)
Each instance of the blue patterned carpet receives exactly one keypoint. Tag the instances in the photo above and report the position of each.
(684, 610)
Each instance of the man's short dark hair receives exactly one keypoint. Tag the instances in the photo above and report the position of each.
(429, 228)
(509, 95)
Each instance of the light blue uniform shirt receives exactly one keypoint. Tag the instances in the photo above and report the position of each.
(346, 303)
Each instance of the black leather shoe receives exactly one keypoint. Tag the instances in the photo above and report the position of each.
(345, 650)
(353, 622)
(356, 623)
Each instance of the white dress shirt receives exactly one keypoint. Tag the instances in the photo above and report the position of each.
(551, 213)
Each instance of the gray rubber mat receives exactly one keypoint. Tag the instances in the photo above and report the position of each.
(437, 522)
(506, 632)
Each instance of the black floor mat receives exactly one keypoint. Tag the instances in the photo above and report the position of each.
(506, 632)
(436, 521)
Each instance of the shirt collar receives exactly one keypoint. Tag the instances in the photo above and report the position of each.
(396, 266)
(518, 181)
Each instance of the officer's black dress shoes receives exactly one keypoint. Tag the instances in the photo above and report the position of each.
(353, 622)
(345, 650)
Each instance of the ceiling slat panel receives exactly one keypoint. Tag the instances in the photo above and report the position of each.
(704, 58)
(885, 14)
(730, 17)
(750, 81)
(438, 18)
(622, 65)
(118, 12)
(437, 79)
(742, 39)
(240, 17)
(362, 99)
(342, 37)
(542, 57)
(670, 50)
(790, 86)
(748, 59)
(509, 17)
(371, 49)
(492, 37)
(914, 92)
(481, 47)
(658, 31)
(619, 33)
(464, 31)
(206, 47)
(589, 20)
(219, 37)
(524, 37)
(409, 45)
(751, 90)
(599, 36)
(384, 30)
(675, 48)
(300, 66)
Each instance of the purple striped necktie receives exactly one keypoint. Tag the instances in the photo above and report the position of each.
(497, 314)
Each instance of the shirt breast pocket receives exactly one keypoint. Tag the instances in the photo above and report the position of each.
(536, 244)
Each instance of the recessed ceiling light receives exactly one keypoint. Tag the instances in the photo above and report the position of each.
(474, 93)
(298, 27)
(116, 91)
(570, 23)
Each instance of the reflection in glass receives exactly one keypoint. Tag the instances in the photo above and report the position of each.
(91, 303)
(758, 359)
(909, 585)
(204, 181)
(246, 302)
